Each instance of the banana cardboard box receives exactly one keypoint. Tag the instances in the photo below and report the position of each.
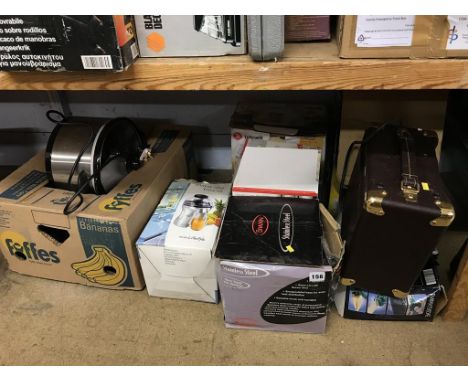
(94, 245)
(177, 245)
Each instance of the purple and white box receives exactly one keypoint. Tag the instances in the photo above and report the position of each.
(271, 267)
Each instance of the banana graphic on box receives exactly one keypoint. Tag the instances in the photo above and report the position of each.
(103, 267)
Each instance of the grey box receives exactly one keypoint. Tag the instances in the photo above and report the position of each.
(266, 37)
(199, 35)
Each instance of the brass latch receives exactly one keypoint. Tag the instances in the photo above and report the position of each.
(347, 282)
(399, 294)
(373, 201)
(410, 187)
(447, 214)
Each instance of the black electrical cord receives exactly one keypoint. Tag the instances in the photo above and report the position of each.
(78, 193)
(78, 158)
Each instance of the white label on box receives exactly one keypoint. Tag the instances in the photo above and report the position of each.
(317, 276)
(458, 32)
(97, 62)
(382, 31)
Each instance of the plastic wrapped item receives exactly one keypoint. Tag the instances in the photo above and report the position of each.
(419, 305)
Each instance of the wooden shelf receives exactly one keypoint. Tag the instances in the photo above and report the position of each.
(304, 67)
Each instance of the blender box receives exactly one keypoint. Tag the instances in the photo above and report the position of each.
(95, 245)
(425, 300)
(184, 35)
(177, 244)
(67, 43)
(272, 265)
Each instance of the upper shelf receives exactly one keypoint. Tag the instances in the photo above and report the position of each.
(304, 67)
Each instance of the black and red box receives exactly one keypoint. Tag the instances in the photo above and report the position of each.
(67, 43)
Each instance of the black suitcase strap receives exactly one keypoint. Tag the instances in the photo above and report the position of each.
(409, 179)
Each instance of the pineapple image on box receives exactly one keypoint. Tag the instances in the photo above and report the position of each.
(104, 267)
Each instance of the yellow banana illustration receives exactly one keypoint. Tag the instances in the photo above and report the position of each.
(95, 262)
(103, 267)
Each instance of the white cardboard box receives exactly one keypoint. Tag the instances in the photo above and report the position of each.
(177, 244)
(278, 171)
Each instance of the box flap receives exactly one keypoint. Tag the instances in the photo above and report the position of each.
(24, 181)
(188, 216)
(333, 244)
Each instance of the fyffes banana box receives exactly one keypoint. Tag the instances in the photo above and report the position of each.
(176, 247)
(95, 245)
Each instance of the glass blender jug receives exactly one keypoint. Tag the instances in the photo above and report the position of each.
(194, 212)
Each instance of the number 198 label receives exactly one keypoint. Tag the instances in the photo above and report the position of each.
(317, 276)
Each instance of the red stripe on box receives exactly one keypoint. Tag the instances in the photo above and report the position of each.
(274, 191)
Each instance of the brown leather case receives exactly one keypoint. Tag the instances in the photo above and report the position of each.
(395, 210)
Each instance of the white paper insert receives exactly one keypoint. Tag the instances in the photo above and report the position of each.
(274, 170)
(458, 32)
(382, 31)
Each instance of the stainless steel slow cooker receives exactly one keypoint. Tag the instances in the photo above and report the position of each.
(91, 156)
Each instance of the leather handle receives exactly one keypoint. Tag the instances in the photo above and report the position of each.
(409, 179)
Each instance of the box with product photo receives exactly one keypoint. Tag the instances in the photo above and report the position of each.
(425, 300)
(94, 245)
(176, 246)
(67, 43)
(187, 35)
(273, 270)
(403, 36)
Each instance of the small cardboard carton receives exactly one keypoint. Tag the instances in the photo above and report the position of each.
(426, 299)
(67, 43)
(286, 125)
(184, 35)
(94, 245)
(273, 268)
(403, 36)
(176, 247)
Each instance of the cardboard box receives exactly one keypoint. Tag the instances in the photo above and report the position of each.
(173, 36)
(96, 244)
(278, 171)
(176, 247)
(306, 28)
(273, 271)
(420, 305)
(301, 126)
(403, 36)
(59, 43)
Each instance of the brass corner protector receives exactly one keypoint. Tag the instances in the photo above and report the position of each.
(347, 282)
(373, 202)
(399, 294)
(447, 214)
